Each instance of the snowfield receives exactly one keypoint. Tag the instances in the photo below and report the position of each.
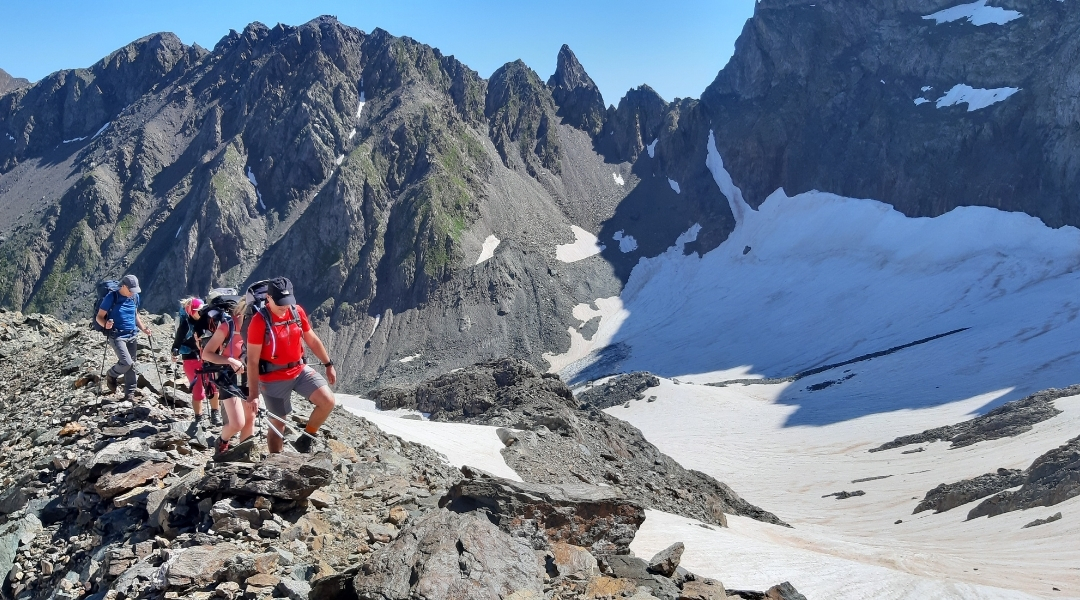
(975, 98)
(853, 548)
(627, 243)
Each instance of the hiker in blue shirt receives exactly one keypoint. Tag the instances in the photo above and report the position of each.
(118, 315)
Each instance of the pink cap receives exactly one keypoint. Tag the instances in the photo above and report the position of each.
(196, 303)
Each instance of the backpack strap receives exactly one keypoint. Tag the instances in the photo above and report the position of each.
(112, 303)
(227, 319)
(268, 336)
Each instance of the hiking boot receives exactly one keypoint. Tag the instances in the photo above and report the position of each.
(221, 447)
(215, 418)
(111, 383)
(240, 452)
(129, 397)
(303, 443)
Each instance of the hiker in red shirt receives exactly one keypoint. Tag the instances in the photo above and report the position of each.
(275, 365)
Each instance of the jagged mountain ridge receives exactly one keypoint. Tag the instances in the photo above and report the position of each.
(383, 225)
(364, 166)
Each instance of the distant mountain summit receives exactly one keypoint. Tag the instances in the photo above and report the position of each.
(9, 83)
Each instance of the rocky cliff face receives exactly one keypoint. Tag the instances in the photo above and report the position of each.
(856, 98)
(372, 169)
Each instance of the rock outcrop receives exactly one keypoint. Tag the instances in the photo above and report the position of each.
(9, 83)
(1008, 420)
(824, 97)
(1052, 479)
(950, 495)
(579, 100)
(555, 442)
(619, 390)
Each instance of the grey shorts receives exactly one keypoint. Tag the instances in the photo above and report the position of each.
(278, 394)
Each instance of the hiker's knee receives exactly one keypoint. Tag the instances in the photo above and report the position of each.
(323, 397)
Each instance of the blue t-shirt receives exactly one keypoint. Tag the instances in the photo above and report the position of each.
(121, 309)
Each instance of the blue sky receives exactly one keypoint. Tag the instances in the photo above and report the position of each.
(677, 48)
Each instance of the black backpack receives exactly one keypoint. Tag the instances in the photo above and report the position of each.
(256, 303)
(221, 302)
(104, 288)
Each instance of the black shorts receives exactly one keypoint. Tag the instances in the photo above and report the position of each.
(230, 385)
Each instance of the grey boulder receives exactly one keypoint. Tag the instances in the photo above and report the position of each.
(450, 555)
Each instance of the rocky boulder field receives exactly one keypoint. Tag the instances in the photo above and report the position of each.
(108, 499)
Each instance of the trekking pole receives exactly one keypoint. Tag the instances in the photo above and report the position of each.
(104, 353)
(270, 424)
(161, 383)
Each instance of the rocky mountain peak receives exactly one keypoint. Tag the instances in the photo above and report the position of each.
(634, 124)
(579, 100)
(520, 112)
(9, 83)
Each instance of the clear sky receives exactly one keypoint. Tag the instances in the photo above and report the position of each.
(675, 47)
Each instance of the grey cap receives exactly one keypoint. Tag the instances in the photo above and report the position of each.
(132, 283)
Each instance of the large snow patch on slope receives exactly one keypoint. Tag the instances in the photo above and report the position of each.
(827, 279)
(461, 443)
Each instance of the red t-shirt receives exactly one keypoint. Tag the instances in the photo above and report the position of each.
(288, 339)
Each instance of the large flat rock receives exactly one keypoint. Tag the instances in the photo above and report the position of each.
(282, 476)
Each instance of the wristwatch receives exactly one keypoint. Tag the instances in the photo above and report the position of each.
(328, 363)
